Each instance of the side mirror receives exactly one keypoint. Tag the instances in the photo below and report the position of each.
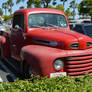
(18, 27)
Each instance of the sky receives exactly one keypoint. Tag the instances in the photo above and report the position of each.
(16, 7)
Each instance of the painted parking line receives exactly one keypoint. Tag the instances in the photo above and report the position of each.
(7, 70)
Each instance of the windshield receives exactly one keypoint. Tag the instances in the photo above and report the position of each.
(45, 20)
(88, 30)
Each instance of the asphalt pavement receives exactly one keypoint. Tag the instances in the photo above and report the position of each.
(5, 73)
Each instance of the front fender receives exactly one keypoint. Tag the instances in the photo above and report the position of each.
(41, 58)
(2, 39)
(4, 46)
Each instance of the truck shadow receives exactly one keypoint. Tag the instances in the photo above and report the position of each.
(7, 73)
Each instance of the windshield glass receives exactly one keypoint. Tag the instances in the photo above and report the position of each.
(45, 20)
(88, 30)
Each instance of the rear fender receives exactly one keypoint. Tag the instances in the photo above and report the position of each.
(41, 58)
(5, 46)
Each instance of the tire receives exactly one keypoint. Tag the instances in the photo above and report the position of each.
(1, 57)
(27, 70)
(0, 53)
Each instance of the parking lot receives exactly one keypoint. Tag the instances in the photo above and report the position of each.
(7, 73)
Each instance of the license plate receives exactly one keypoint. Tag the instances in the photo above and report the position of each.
(57, 74)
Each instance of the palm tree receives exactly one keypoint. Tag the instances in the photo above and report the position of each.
(60, 7)
(35, 3)
(40, 3)
(5, 6)
(18, 1)
(1, 12)
(10, 10)
(73, 6)
(21, 7)
(10, 3)
(63, 2)
(46, 3)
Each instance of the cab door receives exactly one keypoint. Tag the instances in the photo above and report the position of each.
(17, 35)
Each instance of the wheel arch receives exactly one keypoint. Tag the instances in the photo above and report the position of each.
(5, 46)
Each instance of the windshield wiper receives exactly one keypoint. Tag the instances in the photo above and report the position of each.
(36, 26)
(51, 25)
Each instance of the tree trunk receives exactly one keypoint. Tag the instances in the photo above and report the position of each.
(73, 13)
(11, 10)
(63, 3)
(5, 11)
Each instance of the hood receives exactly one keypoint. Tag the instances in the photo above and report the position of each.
(58, 37)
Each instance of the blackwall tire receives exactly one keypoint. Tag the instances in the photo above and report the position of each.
(27, 71)
(0, 53)
(1, 57)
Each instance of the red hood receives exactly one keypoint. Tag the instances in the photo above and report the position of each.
(64, 37)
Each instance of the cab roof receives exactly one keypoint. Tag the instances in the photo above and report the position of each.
(39, 10)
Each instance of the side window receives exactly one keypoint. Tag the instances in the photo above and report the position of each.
(19, 20)
(78, 28)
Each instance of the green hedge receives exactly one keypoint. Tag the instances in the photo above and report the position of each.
(63, 84)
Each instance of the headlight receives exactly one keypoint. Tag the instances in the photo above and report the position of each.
(74, 45)
(58, 64)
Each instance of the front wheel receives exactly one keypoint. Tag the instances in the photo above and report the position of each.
(0, 52)
(27, 71)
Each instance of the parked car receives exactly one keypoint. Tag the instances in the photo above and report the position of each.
(2, 27)
(9, 23)
(86, 21)
(71, 25)
(83, 28)
(80, 21)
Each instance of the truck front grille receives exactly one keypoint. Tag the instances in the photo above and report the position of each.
(79, 65)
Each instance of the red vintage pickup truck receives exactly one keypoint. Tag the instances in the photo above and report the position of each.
(41, 40)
